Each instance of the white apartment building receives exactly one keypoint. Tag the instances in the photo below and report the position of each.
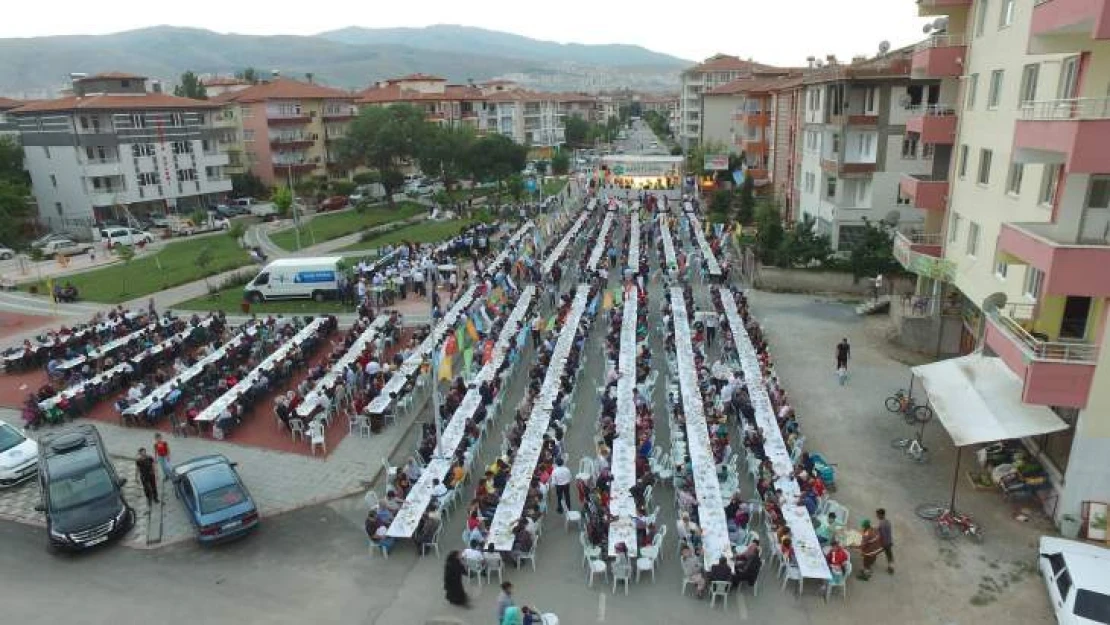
(1028, 214)
(113, 147)
(714, 72)
(855, 151)
(529, 118)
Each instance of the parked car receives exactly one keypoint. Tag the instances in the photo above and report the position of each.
(229, 210)
(1076, 576)
(65, 247)
(333, 203)
(215, 498)
(159, 220)
(6, 253)
(46, 238)
(125, 236)
(18, 456)
(82, 496)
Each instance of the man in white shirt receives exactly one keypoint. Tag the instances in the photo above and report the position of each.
(561, 477)
(439, 491)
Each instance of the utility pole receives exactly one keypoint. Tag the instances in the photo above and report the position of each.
(296, 220)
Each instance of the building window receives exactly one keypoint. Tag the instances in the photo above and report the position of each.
(901, 200)
(981, 18)
(994, 93)
(248, 135)
(1069, 78)
(182, 147)
(46, 151)
(1013, 178)
(142, 149)
(954, 228)
(53, 181)
(147, 178)
(1050, 180)
(972, 87)
(58, 207)
(1098, 193)
(962, 170)
(811, 182)
(862, 190)
(186, 174)
(927, 150)
(1034, 280)
(972, 239)
(1001, 268)
(836, 143)
(871, 101)
(84, 123)
(830, 188)
(138, 120)
(909, 145)
(1007, 17)
(985, 156)
(1028, 94)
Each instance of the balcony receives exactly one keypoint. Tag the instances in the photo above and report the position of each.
(929, 8)
(1073, 132)
(752, 119)
(106, 167)
(1070, 267)
(757, 146)
(840, 168)
(291, 142)
(338, 115)
(926, 192)
(288, 119)
(216, 159)
(303, 166)
(1054, 373)
(1062, 26)
(935, 123)
(939, 56)
(854, 120)
(922, 254)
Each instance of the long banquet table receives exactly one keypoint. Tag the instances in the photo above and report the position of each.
(634, 242)
(706, 251)
(599, 246)
(314, 398)
(622, 506)
(408, 517)
(807, 549)
(711, 508)
(528, 454)
(561, 247)
(671, 262)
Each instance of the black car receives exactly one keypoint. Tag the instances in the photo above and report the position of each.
(81, 494)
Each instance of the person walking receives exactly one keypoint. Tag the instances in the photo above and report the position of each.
(144, 466)
(453, 571)
(843, 352)
(162, 453)
(871, 545)
(561, 478)
(886, 533)
(504, 600)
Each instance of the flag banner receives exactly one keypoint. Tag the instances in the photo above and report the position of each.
(485, 317)
(451, 346)
(460, 337)
(552, 322)
(468, 358)
(522, 338)
(607, 303)
(445, 369)
(471, 330)
(487, 352)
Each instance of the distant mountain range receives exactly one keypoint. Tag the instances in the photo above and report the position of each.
(348, 58)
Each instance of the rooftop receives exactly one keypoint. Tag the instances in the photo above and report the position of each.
(727, 63)
(287, 89)
(223, 81)
(8, 103)
(757, 85)
(119, 102)
(394, 92)
(417, 76)
(111, 76)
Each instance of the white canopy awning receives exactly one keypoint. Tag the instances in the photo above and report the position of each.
(978, 400)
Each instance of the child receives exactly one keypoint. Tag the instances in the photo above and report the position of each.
(842, 375)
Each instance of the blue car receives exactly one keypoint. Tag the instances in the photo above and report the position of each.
(217, 501)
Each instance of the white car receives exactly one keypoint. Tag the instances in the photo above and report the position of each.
(1078, 579)
(6, 253)
(19, 456)
(65, 247)
(125, 236)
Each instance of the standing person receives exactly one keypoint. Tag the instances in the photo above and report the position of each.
(871, 545)
(886, 533)
(144, 466)
(710, 328)
(843, 352)
(560, 477)
(504, 600)
(162, 453)
(453, 572)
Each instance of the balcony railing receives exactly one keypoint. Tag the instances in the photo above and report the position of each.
(941, 41)
(931, 110)
(1037, 348)
(1076, 109)
(924, 238)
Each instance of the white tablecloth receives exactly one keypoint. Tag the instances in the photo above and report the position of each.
(561, 247)
(408, 517)
(314, 397)
(524, 465)
(213, 410)
(111, 346)
(711, 508)
(634, 241)
(706, 251)
(621, 503)
(599, 247)
(668, 244)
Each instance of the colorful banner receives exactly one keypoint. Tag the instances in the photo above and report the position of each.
(445, 369)
(471, 330)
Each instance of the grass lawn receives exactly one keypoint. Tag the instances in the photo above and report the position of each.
(424, 232)
(230, 301)
(333, 226)
(551, 186)
(174, 265)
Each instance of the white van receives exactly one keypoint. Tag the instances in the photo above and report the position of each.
(130, 237)
(296, 278)
(1077, 576)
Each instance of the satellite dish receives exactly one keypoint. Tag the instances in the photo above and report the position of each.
(884, 47)
(892, 218)
(941, 23)
(994, 302)
(928, 28)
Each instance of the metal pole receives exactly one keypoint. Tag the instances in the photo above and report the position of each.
(437, 453)
(955, 481)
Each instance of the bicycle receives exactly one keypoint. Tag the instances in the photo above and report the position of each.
(912, 447)
(949, 523)
(902, 403)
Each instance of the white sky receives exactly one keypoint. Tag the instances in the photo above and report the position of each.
(774, 31)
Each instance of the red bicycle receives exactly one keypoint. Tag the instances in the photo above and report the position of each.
(950, 524)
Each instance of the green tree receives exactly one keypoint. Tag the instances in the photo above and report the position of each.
(746, 206)
(190, 87)
(126, 254)
(236, 232)
(560, 163)
(769, 238)
(514, 185)
(383, 137)
(577, 131)
(496, 157)
(15, 189)
(695, 156)
(803, 246)
(367, 177)
(873, 253)
(392, 179)
(203, 261)
(247, 185)
(283, 201)
(248, 74)
(444, 151)
(343, 187)
(720, 205)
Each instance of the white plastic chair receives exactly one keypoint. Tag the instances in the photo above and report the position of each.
(719, 589)
(494, 563)
(474, 568)
(622, 572)
(792, 574)
(646, 563)
(842, 584)
(434, 544)
(316, 439)
(572, 516)
(379, 548)
(596, 566)
(529, 555)
(296, 428)
(371, 500)
(586, 469)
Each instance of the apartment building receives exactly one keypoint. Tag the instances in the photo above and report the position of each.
(855, 150)
(289, 128)
(527, 117)
(443, 103)
(579, 104)
(113, 147)
(714, 72)
(1025, 232)
(786, 118)
(7, 123)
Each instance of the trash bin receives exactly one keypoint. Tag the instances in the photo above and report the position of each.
(245, 306)
(1069, 526)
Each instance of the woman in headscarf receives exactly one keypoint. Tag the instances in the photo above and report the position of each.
(453, 572)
